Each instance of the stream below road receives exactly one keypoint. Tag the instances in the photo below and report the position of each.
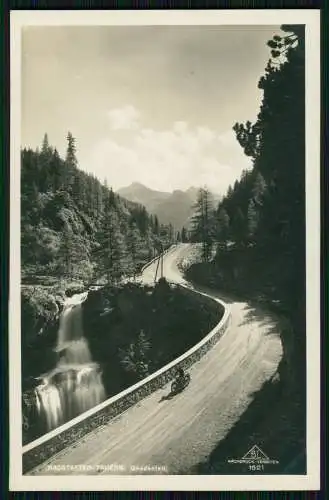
(75, 384)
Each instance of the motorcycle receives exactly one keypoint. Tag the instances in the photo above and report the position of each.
(179, 385)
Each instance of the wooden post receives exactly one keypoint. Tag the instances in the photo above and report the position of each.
(162, 265)
(156, 271)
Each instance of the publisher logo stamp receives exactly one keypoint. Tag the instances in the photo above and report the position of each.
(255, 458)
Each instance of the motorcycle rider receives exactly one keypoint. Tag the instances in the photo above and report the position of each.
(180, 376)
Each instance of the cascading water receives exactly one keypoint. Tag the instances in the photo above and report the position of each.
(75, 384)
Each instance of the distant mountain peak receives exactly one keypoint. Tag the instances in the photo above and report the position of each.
(133, 185)
(192, 189)
(170, 207)
(138, 184)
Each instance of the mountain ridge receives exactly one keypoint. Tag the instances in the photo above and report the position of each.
(174, 207)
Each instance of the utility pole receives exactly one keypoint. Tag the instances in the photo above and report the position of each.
(156, 271)
(161, 250)
(159, 262)
(162, 265)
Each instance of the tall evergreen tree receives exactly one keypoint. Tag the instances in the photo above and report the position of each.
(66, 251)
(45, 145)
(112, 252)
(170, 234)
(252, 216)
(156, 225)
(135, 358)
(239, 229)
(259, 189)
(56, 171)
(44, 160)
(134, 246)
(184, 235)
(203, 222)
(223, 223)
(71, 159)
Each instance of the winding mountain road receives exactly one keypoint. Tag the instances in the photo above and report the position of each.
(176, 434)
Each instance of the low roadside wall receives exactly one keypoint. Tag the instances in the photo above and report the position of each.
(43, 448)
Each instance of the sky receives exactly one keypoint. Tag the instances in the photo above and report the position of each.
(149, 104)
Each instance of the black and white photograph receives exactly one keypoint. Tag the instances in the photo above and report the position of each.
(164, 315)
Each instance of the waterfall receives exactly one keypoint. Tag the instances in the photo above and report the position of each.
(75, 384)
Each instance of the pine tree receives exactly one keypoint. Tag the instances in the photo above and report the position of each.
(142, 220)
(44, 160)
(30, 200)
(229, 192)
(78, 192)
(71, 159)
(259, 189)
(223, 222)
(203, 222)
(134, 246)
(170, 234)
(45, 145)
(163, 236)
(56, 171)
(156, 225)
(112, 255)
(239, 227)
(252, 219)
(184, 235)
(65, 251)
(99, 199)
(71, 163)
(135, 358)
(73, 254)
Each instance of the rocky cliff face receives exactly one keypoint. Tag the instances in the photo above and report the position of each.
(41, 307)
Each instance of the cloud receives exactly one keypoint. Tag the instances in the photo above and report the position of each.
(125, 118)
(227, 138)
(173, 158)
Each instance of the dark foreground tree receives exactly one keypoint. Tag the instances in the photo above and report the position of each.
(276, 142)
(223, 226)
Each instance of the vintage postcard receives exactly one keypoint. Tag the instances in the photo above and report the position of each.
(164, 327)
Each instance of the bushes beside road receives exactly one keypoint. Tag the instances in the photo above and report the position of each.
(134, 330)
